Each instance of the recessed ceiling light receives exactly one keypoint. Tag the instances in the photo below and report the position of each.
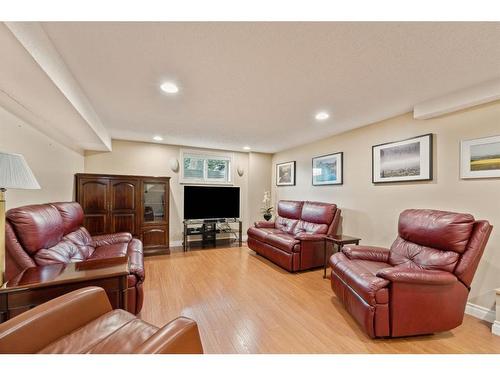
(321, 116)
(247, 148)
(169, 87)
(158, 138)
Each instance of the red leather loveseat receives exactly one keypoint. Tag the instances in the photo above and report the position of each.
(295, 241)
(53, 233)
(418, 286)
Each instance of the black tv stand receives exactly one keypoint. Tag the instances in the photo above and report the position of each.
(209, 229)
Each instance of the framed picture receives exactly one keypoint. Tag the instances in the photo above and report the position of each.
(327, 169)
(402, 161)
(480, 158)
(285, 174)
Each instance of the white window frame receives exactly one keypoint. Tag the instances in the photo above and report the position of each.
(205, 155)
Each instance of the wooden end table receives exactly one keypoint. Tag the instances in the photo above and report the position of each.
(37, 285)
(339, 240)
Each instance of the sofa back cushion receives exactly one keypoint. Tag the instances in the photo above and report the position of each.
(316, 217)
(448, 231)
(286, 225)
(290, 209)
(311, 217)
(72, 215)
(412, 255)
(431, 239)
(63, 252)
(318, 212)
(37, 226)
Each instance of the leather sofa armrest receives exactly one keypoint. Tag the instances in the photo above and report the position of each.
(136, 259)
(303, 236)
(111, 239)
(264, 224)
(417, 276)
(180, 336)
(34, 329)
(373, 253)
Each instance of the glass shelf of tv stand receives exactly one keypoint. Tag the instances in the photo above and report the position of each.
(210, 228)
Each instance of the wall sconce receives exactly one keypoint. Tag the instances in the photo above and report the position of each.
(240, 171)
(174, 165)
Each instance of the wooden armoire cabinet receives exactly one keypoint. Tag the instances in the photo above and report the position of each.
(119, 203)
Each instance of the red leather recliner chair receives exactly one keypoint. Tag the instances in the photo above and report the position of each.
(418, 286)
(295, 241)
(50, 233)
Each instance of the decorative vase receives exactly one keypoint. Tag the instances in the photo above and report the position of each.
(268, 216)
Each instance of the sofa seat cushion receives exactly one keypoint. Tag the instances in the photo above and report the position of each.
(114, 332)
(283, 241)
(360, 276)
(261, 233)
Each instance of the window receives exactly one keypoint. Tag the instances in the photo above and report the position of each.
(209, 168)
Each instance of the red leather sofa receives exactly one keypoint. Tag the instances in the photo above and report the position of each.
(418, 286)
(295, 241)
(53, 233)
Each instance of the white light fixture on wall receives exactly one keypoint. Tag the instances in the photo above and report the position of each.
(240, 171)
(14, 174)
(174, 165)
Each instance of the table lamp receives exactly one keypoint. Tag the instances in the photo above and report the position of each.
(14, 174)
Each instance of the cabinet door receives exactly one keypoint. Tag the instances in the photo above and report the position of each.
(154, 202)
(155, 237)
(123, 207)
(93, 196)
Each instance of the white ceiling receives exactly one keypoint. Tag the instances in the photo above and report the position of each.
(29, 93)
(259, 84)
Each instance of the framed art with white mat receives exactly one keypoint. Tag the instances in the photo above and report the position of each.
(403, 161)
(480, 158)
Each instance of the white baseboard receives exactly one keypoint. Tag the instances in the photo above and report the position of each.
(480, 312)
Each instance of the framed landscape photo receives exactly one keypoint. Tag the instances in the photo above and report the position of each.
(403, 161)
(480, 158)
(327, 169)
(285, 174)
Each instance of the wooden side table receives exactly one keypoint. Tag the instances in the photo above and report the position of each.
(340, 241)
(37, 285)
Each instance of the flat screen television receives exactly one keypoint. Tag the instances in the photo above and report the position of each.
(211, 202)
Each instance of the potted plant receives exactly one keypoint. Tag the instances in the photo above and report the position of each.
(267, 208)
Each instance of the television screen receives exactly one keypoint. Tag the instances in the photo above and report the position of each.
(211, 202)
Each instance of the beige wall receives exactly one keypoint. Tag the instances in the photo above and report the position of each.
(53, 164)
(371, 211)
(153, 159)
(259, 166)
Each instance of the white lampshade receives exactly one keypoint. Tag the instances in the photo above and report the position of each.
(15, 173)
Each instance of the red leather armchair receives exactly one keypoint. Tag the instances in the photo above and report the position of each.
(418, 286)
(82, 322)
(295, 241)
(53, 233)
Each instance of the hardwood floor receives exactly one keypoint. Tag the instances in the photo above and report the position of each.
(245, 304)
